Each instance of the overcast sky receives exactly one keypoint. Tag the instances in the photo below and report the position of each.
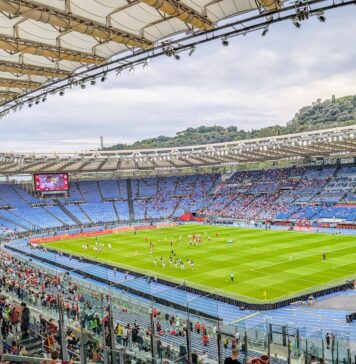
(252, 83)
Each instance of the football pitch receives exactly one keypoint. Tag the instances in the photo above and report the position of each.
(266, 265)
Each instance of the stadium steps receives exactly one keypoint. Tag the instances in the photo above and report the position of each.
(33, 346)
(215, 185)
(116, 212)
(26, 220)
(130, 202)
(157, 186)
(62, 207)
(55, 217)
(13, 222)
(175, 207)
(80, 191)
(195, 183)
(18, 194)
(100, 191)
(85, 213)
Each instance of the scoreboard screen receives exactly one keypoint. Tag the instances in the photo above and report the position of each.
(51, 182)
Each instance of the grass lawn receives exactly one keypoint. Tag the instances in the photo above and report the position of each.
(282, 263)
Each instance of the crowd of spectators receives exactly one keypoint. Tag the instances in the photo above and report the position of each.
(23, 286)
(265, 194)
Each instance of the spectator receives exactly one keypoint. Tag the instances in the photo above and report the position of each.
(205, 340)
(233, 358)
(25, 320)
(263, 359)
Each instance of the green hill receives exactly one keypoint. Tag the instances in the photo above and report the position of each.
(320, 115)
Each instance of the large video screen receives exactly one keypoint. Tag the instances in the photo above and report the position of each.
(51, 182)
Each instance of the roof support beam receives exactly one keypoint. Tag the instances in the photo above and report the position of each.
(22, 84)
(7, 95)
(15, 45)
(182, 12)
(24, 69)
(270, 5)
(70, 22)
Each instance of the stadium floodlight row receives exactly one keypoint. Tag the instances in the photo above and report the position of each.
(55, 48)
(328, 143)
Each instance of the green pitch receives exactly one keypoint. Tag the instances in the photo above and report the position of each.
(280, 263)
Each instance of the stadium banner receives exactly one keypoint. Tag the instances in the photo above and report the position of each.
(123, 229)
(48, 239)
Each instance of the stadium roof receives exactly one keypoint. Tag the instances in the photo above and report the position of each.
(48, 45)
(328, 143)
(48, 39)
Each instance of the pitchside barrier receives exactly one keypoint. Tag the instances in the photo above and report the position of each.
(84, 234)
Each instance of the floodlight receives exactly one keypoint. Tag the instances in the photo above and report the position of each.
(225, 42)
(192, 50)
(265, 31)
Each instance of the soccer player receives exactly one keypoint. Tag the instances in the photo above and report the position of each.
(155, 262)
(192, 264)
(324, 256)
(265, 295)
(231, 276)
(109, 246)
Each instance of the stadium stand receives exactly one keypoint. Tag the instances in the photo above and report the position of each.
(316, 194)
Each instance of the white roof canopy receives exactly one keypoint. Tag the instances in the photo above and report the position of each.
(45, 40)
(329, 143)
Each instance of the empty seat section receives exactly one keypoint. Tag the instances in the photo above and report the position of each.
(9, 194)
(90, 191)
(25, 195)
(140, 209)
(123, 188)
(110, 189)
(135, 189)
(100, 212)
(148, 187)
(122, 208)
(78, 213)
(74, 193)
(60, 214)
(38, 216)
